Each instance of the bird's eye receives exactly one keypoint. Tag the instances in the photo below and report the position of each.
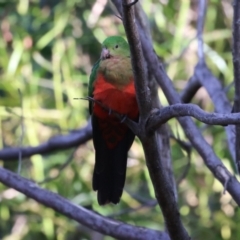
(116, 46)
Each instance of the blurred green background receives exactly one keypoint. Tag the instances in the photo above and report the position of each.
(47, 49)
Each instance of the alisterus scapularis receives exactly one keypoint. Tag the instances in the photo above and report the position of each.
(111, 83)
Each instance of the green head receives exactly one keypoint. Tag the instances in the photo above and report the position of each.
(115, 46)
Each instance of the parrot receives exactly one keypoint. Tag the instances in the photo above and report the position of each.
(112, 89)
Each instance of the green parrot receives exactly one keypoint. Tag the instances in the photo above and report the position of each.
(111, 85)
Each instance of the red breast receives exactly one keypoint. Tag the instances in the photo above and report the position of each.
(121, 99)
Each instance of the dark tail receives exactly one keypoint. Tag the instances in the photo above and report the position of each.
(110, 164)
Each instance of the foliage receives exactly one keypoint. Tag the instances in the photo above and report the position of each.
(47, 52)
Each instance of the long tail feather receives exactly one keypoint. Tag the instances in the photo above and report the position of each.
(110, 163)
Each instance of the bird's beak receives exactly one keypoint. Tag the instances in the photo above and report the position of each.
(105, 53)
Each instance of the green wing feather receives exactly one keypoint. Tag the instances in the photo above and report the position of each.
(91, 82)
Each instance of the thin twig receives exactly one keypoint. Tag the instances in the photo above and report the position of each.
(123, 118)
(60, 169)
(22, 133)
(186, 146)
(186, 169)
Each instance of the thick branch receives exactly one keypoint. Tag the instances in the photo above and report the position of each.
(81, 215)
(55, 143)
(192, 132)
(141, 83)
(236, 65)
(160, 179)
(158, 117)
(163, 139)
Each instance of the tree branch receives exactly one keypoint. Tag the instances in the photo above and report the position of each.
(191, 131)
(160, 179)
(55, 143)
(141, 83)
(81, 215)
(160, 116)
(190, 89)
(163, 132)
(236, 65)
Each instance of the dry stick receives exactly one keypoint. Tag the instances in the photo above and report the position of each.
(163, 190)
(83, 216)
(191, 131)
(236, 65)
(22, 133)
